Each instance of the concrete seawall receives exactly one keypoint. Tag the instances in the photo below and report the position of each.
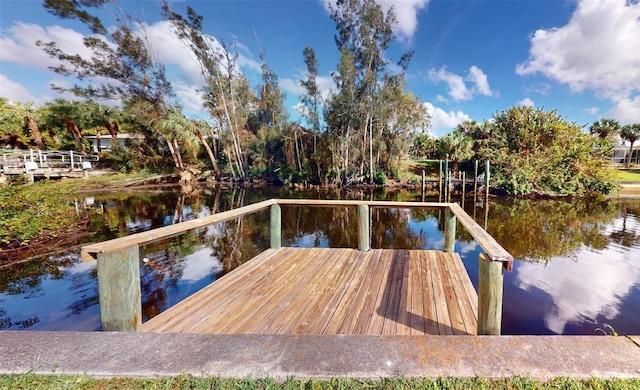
(148, 355)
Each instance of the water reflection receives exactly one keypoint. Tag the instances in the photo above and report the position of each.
(578, 262)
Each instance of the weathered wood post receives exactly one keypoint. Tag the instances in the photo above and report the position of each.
(487, 174)
(475, 177)
(446, 179)
(464, 185)
(490, 285)
(423, 184)
(440, 183)
(275, 227)
(119, 290)
(364, 241)
(449, 230)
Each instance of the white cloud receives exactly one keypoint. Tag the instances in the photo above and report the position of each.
(458, 89)
(477, 76)
(525, 102)
(13, 91)
(441, 99)
(626, 111)
(190, 98)
(596, 50)
(442, 121)
(406, 14)
(18, 44)
(325, 84)
(592, 292)
(593, 110)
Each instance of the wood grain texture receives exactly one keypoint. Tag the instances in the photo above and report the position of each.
(332, 291)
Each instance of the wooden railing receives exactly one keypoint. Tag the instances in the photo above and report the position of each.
(119, 268)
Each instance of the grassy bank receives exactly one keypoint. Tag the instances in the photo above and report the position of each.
(628, 175)
(31, 381)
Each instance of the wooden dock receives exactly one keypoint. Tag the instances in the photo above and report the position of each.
(325, 291)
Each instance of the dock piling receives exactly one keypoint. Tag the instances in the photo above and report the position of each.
(275, 226)
(449, 230)
(119, 290)
(364, 240)
(490, 285)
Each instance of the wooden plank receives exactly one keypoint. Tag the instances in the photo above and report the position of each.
(317, 312)
(486, 242)
(467, 297)
(376, 324)
(348, 292)
(368, 310)
(355, 309)
(383, 204)
(325, 316)
(393, 294)
(286, 309)
(453, 305)
(320, 293)
(173, 317)
(403, 326)
(89, 252)
(248, 309)
(417, 319)
(442, 319)
(430, 316)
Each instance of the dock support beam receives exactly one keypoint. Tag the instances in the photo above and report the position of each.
(119, 290)
(275, 227)
(449, 230)
(490, 285)
(364, 241)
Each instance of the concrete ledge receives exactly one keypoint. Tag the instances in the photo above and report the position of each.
(105, 354)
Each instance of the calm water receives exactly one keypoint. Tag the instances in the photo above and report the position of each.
(577, 267)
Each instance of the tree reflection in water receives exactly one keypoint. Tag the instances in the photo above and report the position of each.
(539, 233)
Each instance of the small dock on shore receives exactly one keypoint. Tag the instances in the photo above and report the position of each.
(45, 163)
(317, 291)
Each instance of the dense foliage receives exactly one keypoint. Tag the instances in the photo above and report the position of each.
(532, 152)
(538, 152)
(34, 211)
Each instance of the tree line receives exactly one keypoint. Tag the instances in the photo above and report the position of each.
(360, 133)
(362, 130)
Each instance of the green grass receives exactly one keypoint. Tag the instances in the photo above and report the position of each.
(32, 381)
(629, 175)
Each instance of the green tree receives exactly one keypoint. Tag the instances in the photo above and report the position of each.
(630, 133)
(122, 66)
(369, 109)
(533, 151)
(423, 146)
(605, 128)
(457, 146)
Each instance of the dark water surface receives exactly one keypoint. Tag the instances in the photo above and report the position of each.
(577, 267)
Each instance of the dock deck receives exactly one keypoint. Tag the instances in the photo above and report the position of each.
(321, 291)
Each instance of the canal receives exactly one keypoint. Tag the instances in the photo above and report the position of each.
(577, 268)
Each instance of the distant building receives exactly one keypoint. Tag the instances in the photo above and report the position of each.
(620, 153)
(123, 139)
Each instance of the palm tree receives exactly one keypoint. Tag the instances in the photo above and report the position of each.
(630, 133)
(458, 146)
(605, 128)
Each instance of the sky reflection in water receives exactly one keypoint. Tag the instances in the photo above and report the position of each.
(578, 264)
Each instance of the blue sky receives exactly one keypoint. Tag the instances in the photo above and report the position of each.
(472, 58)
